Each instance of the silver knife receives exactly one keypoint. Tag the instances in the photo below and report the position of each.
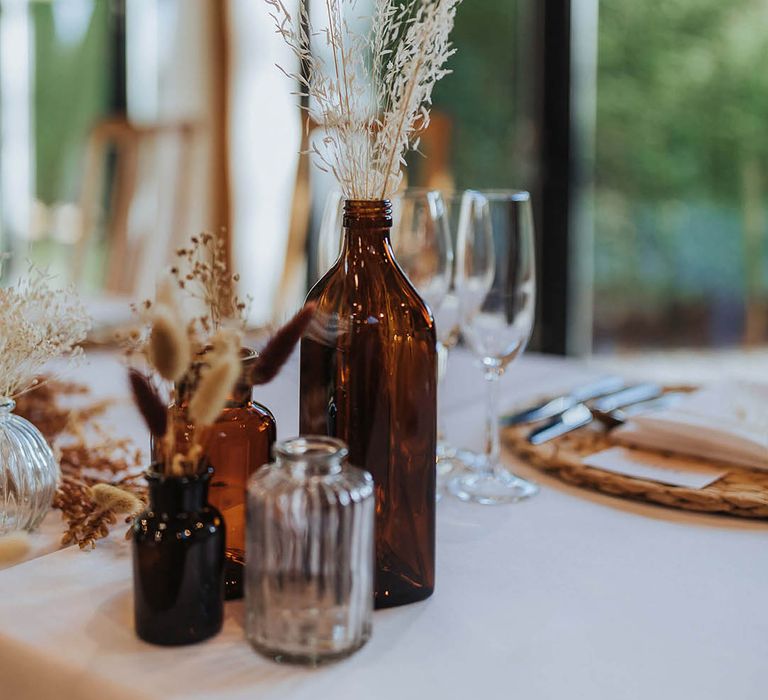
(554, 407)
(580, 415)
(627, 397)
(570, 419)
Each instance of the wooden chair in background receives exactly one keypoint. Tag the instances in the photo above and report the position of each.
(110, 194)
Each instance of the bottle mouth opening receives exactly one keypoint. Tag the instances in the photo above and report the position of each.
(368, 213)
(315, 448)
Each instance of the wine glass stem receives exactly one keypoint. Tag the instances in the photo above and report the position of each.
(492, 444)
(442, 367)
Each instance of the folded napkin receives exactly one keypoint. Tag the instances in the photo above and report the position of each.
(724, 422)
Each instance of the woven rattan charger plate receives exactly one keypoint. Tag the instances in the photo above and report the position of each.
(741, 492)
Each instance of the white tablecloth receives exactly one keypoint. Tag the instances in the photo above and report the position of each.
(569, 595)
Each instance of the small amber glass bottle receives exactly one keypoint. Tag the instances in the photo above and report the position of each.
(238, 443)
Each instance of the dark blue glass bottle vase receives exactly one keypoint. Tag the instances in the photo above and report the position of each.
(178, 562)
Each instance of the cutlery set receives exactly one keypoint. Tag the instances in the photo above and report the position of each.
(608, 400)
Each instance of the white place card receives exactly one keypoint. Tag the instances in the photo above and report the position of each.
(677, 471)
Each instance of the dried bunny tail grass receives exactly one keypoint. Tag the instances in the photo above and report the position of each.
(149, 403)
(109, 497)
(226, 341)
(38, 324)
(169, 350)
(216, 384)
(187, 464)
(279, 348)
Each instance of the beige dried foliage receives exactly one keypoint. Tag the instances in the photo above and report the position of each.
(37, 324)
(168, 350)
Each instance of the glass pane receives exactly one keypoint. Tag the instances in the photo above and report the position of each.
(481, 131)
(681, 239)
(54, 85)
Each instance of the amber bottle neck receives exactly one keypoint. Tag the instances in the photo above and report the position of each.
(367, 224)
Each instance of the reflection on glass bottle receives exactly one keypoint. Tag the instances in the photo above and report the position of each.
(368, 377)
(236, 446)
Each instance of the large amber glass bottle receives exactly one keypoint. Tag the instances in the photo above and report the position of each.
(239, 442)
(368, 375)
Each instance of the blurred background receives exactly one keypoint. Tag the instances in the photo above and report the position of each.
(640, 128)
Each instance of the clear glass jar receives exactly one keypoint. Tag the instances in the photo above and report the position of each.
(309, 553)
(29, 473)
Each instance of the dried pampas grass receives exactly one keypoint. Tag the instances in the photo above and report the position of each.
(372, 97)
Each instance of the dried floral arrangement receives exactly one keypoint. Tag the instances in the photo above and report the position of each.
(98, 482)
(37, 324)
(198, 354)
(372, 98)
(199, 292)
(212, 372)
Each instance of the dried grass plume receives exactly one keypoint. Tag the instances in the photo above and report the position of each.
(37, 324)
(373, 93)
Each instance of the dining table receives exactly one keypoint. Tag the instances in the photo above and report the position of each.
(569, 594)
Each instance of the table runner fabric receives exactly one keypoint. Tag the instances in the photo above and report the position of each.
(566, 595)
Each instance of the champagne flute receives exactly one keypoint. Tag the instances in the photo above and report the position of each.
(422, 243)
(421, 237)
(329, 237)
(496, 285)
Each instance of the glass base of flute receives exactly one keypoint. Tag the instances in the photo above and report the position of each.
(491, 486)
(488, 481)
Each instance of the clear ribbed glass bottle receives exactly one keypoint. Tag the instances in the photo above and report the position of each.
(29, 473)
(309, 553)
